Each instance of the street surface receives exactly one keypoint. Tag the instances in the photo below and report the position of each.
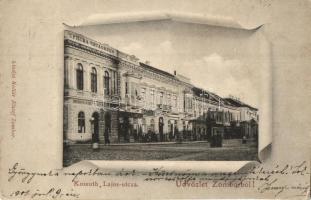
(195, 151)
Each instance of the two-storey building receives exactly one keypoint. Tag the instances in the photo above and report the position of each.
(112, 96)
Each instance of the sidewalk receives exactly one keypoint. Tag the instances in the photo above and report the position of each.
(141, 143)
(190, 150)
(226, 142)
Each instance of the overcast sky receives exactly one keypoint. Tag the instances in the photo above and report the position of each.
(221, 60)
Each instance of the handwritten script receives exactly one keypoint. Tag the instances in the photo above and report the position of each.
(262, 179)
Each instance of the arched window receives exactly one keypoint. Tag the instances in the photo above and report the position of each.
(114, 82)
(81, 122)
(94, 80)
(106, 82)
(79, 76)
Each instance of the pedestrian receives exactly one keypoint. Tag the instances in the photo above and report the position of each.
(220, 140)
(107, 141)
(244, 140)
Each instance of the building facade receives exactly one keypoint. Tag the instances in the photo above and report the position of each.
(110, 96)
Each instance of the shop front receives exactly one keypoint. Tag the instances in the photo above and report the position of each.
(130, 127)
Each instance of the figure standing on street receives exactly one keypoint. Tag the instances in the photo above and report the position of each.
(107, 141)
(244, 140)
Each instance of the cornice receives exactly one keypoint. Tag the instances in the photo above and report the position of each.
(78, 46)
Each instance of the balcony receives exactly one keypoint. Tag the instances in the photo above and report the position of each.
(114, 99)
(133, 101)
(165, 108)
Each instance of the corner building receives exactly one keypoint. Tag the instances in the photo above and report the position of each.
(111, 96)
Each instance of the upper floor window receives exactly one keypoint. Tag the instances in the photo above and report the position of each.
(94, 80)
(143, 91)
(143, 96)
(79, 76)
(190, 102)
(106, 82)
(114, 82)
(66, 81)
(152, 97)
(81, 122)
(126, 88)
(175, 101)
(161, 97)
(168, 99)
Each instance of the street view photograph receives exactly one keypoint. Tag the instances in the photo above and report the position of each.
(158, 97)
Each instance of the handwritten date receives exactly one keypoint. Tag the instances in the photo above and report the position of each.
(53, 193)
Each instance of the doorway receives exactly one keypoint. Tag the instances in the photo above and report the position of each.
(161, 124)
(95, 127)
(107, 127)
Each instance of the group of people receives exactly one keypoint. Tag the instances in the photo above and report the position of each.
(216, 140)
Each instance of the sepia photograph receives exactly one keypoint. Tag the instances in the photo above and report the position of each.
(157, 99)
(123, 102)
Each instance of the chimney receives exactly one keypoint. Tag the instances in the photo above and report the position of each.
(174, 72)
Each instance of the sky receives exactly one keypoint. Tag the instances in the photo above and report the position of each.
(221, 60)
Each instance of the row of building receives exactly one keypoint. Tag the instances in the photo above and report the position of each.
(112, 96)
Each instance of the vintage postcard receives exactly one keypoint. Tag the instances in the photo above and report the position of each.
(119, 100)
(130, 110)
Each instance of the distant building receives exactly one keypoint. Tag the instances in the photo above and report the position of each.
(110, 95)
(248, 115)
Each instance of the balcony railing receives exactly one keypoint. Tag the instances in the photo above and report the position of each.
(164, 107)
(115, 98)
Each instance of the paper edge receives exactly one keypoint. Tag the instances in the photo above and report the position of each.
(185, 17)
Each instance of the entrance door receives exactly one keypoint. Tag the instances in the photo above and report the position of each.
(95, 127)
(126, 129)
(107, 127)
(170, 129)
(161, 124)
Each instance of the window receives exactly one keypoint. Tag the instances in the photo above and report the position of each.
(152, 97)
(106, 82)
(79, 76)
(81, 122)
(94, 80)
(143, 95)
(169, 126)
(152, 125)
(143, 92)
(161, 97)
(114, 83)
(126, 88)
(175, 101)
(169, 99)
(66, 81)
(190, 102)
(117, 80)
(144, 126)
